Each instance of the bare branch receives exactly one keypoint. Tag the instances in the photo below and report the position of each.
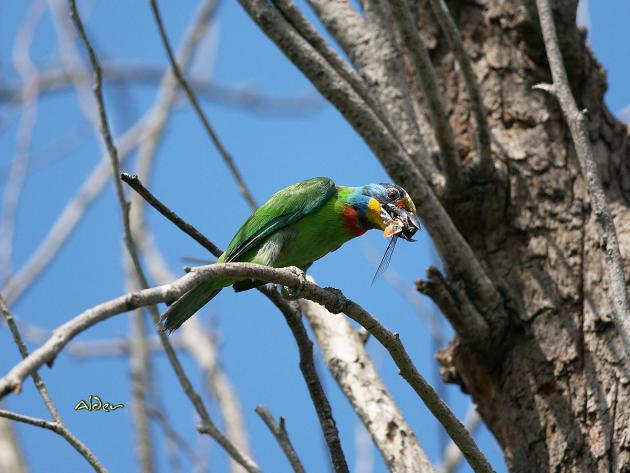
(69, 218)
(11, 455)
(483, 163)
(160, 111)
(579, 132)
(229, 161)
(279, 431)
(293, 317)
(345, 354)
(452, 454)
(156, 124)
(455, 305)
(310, 34)
(176, 438)
(293, 278)
(243, 97)
(428, 82)
(58, 429)
(19, 166)
(135, 183)
(57, 426)
(202, 347)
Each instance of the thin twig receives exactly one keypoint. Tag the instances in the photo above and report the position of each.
(293, 318)
(483, 163)
(209, 426)
(176, 438)
(229, 161)
(71, 215)
(60, 430)
(135, 183)
(279, 431)
(156, 124)
(242, 97)
(294, 279)
(428, 82)
(139, 359)
(161, 110)
(579, 132)
(59, 426)
(12, 459)
(349, 362)
(452, 456)
(202, 347)
(19, 166)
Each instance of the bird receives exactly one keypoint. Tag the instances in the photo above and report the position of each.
(299, 225)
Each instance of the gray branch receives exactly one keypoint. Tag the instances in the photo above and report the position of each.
(60, 430)
(58, 79)
(579, 132)
(57, 426)
(349, 363)
(279, 431)
(293, 278)
(227, 158)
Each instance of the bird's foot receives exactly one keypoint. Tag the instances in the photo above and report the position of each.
(294, 294)
(338, 301)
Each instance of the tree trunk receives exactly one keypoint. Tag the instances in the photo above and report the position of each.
(554, 388)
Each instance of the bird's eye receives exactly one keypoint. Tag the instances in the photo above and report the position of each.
(393, 194)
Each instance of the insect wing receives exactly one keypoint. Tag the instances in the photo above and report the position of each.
(386, 258)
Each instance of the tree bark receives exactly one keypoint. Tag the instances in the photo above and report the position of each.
(552, 388)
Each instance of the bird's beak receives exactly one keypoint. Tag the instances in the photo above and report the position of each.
(399, 222)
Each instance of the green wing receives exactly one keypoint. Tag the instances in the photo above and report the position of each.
(282, 209)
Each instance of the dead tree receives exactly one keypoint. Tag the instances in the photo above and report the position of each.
(526, 284)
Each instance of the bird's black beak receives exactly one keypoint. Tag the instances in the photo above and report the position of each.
(400, 222)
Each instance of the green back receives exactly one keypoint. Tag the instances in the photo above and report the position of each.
(282, 209)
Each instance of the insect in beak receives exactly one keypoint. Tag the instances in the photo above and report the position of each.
(400, 223)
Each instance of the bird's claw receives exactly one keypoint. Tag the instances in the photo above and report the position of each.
(294, 294)
(340, 302)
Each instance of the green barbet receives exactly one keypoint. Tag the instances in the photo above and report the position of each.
(300, 224)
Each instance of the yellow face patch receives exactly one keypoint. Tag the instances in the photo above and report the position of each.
(374, 213)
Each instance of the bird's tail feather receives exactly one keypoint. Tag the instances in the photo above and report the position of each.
(186, 306)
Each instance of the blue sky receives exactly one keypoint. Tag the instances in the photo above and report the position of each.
(257, 350)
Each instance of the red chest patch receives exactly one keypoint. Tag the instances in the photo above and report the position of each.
(351, 221)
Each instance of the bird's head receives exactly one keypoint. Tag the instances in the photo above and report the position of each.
(391, 209)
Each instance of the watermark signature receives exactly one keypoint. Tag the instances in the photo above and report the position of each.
(94, 403)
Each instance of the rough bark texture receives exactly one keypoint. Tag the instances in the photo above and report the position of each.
(555, 388)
